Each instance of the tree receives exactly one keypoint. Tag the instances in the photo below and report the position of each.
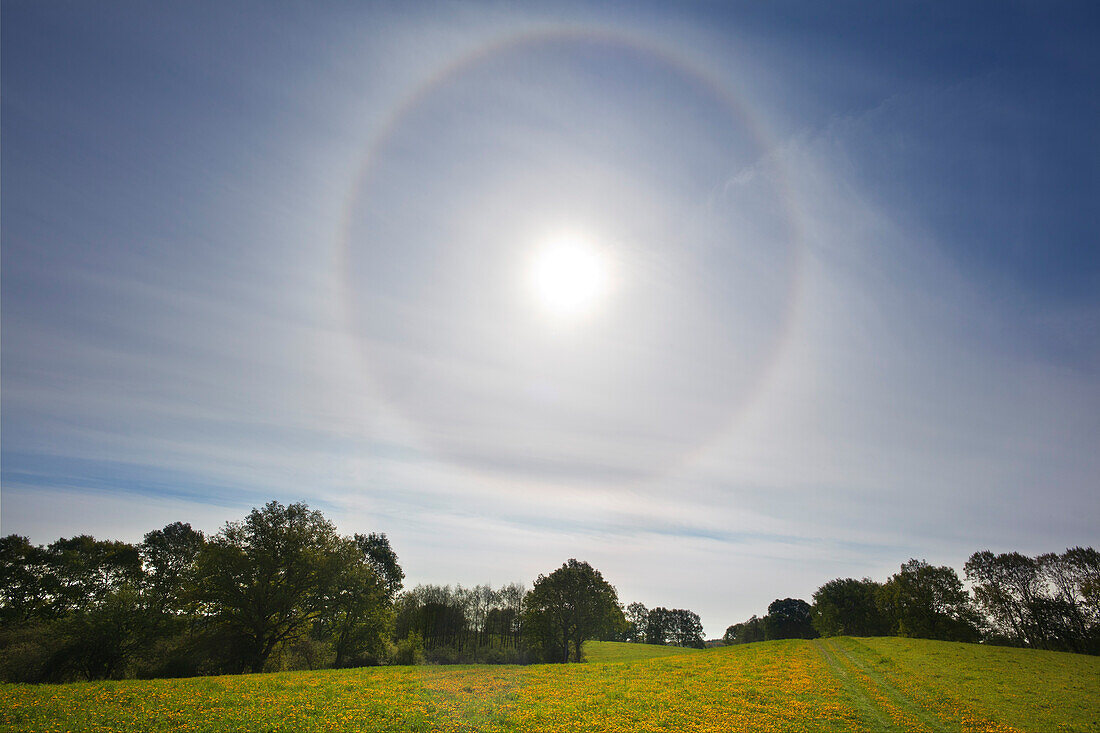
(687, 629)
(1006, 587)
(1040, 602)
(382, 559)
(658, 627)
(168, 556)
(928, 602)
(745, 632)
(789, 618)
(86, 570)
(570, 605)
(637, 616)
(25, 581)
(1075, 574)
(357, 606)
(265, 579)
(848, 607)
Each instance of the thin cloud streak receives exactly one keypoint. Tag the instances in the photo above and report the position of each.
(694, 443)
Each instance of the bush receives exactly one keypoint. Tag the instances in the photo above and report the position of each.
(409, 650)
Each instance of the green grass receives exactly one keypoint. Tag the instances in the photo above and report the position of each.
(602, 652)
(828, 685)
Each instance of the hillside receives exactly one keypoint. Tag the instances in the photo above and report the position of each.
(603, 652)
(841, 684)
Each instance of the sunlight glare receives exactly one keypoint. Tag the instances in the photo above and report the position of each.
(568, 275)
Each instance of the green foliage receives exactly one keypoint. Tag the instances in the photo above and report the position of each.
(265, 579)
(168, 556)
(567, 607)
(745, 632)
(788, 618)
(462, 625)
(1049, 602)
(848, 607)
(676, 626)
(928, 602)
(382, 560)
(637, 618)
(27, 586)
(409, 650)
(356, 612)
(278, 589)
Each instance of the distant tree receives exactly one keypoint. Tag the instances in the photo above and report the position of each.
(745, 632)
(511, 614)
(265, 579)
(570, 605)
(789, 618)
(26, 585)
(101, 638)
(659, 626)
(1041, 602)
(848, 607)
(928, 602)
(1075, 576)
(87, 571)
(687, 629)
(1006, 588)
(168, 556)
(637, 616)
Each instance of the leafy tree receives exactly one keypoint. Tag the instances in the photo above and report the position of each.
(928, 602)
(570, 605)
(848, 607)
(687, 629)
(789, 618)
(382, 559)
(265, 579)
(1040, 602)
(1006, 587)
(1075, 574)
(25, 582)
(357, 611)
(86, 570)
(101, 639)
(659, 624)
(637, 617)
(168, 556)
(745, 632)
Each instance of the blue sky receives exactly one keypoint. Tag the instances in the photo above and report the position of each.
(848, 314)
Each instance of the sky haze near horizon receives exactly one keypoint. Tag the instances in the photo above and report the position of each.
(850, 310)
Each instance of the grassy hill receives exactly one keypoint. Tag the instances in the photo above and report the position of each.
(826, 685)
(603, 652)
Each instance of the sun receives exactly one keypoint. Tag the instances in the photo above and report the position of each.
(568, 275)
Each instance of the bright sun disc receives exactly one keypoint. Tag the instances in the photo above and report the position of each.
(568, 276)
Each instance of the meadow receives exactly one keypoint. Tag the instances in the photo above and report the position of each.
(837, 684)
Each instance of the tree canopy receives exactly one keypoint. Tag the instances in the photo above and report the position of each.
(849, 607)
(569, 606)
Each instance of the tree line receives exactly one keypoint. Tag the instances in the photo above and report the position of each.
(675, 627)
(280, 589)
(1051, 601)
(444, 625)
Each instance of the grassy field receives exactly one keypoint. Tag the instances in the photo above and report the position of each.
(826, 685)
(602, 652)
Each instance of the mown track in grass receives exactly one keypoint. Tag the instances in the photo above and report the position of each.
(857, 697)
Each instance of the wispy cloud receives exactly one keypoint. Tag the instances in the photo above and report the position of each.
(805, 367)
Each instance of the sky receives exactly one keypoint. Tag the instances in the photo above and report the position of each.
(726, 299)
